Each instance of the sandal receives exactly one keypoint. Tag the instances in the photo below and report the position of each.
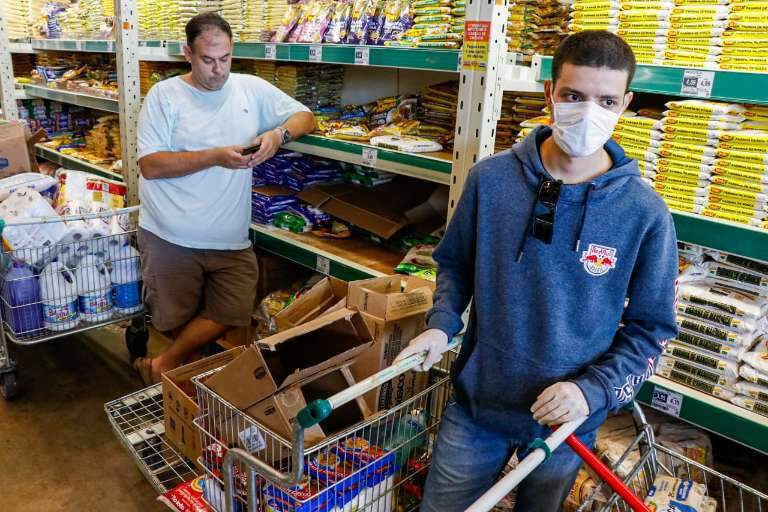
(143, 365)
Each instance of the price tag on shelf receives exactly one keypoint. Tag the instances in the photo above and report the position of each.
(270, 51)
(323, 265)
(697, 83)
(316, 53)
(667, 401)
(79, 46)
(362, 55)
(370, 156)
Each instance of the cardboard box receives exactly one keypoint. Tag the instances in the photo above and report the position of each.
(382, 210)
(14, 153)
(269, 382)
(323, 296)
(236, 337)
(394, 308)
(180, 406)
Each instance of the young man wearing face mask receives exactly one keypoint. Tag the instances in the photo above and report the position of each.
(198, 267)
(548, 241)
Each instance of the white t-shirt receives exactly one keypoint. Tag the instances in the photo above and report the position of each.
(210, 209)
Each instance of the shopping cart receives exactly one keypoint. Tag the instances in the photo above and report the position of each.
(88, 280)
(380, 464)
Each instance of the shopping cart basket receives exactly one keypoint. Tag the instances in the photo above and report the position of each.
(90, 279)
(630, 479)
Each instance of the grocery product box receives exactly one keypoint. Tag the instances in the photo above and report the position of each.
(394, 308)
(179, 401)
(325, 295)
(274, 380)
(17, 150)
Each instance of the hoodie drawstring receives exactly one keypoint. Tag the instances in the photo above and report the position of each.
(583, 217)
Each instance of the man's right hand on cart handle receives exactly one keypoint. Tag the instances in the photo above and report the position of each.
(432, 341)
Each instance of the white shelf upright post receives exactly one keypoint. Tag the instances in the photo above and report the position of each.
(480, 95)
(7, 83)
(127, 49)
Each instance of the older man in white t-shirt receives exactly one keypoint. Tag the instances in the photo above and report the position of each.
(198, 266)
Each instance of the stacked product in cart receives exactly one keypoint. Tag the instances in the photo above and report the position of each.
(726, 34)
(722, 310)
(65, 273)
(536, 27)
(704, 157)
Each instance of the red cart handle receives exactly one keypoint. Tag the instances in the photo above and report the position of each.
(606, 474)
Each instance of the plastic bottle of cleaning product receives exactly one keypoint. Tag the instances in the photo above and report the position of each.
(58, 289)
(21, 301)
(126, 277)
(94, 288)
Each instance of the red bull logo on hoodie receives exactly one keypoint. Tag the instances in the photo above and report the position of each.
(598, 259)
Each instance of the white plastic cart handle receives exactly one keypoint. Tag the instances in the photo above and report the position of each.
(512, 479)
(311, 415)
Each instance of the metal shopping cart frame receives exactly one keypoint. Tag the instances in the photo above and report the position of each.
(245, 476)
(136, 334)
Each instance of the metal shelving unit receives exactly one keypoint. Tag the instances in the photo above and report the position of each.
(434, 167)
(74, 45)
(707, 412)
(72, 98)
(75, 164)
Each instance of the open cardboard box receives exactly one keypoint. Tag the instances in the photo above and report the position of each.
(17, 149)
(326, 295)
(269, 382)
(180, 406)
(394, 308)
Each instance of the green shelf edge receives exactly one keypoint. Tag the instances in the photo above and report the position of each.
(304, 257)
(379, 56)
(71, 45)
(73, 163)
(723, 423)
(413, 160)
(734, 86)
(79, 99)
(721, 235)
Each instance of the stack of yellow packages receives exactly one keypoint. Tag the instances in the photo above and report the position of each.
(265, 69)
(638, 135)
(745, 42)
(517, 108)
(233, 11)
(739, 189)
(151, 72)
(18, 14)
(536, 26)
(695, 33)
(103, 141)
(262, 18)
(188, 9)
(159, 19)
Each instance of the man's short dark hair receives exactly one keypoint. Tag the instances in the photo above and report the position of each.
(204, 22)
(596, 49)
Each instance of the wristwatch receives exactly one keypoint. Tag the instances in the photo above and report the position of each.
(285, 135)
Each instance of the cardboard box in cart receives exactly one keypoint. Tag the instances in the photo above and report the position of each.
(274, 380)
(180, 406)
(327, 294)
(394, 308)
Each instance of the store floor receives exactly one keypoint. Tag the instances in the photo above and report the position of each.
(57, 450)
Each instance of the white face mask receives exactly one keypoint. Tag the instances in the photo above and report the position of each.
(582, 128)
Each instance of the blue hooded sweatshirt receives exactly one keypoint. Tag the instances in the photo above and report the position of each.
(543, 314)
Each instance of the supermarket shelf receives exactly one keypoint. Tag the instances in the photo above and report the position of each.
(23, 46)
(722, 235)
(138, 422)
(73, 163)
(434, 167)
(711, 413)
(72, 98)
(72, 45)
(350, 259)
(736, 86)
(380, 56)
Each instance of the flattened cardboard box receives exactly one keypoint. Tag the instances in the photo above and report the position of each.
(267, 381)
(324, 295)
(179, 405)
(14, 152)
(394, 308)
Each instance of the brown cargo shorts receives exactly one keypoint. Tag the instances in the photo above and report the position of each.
(181, 283)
